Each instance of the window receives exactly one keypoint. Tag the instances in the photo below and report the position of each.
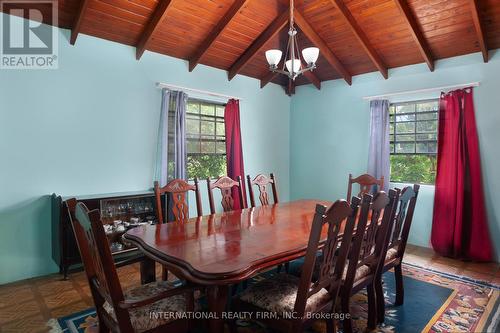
(206, 140)
(413, 139)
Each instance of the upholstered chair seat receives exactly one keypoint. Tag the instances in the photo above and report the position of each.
(278, 294)
(391, 254)
(361, 272)
(141, 317)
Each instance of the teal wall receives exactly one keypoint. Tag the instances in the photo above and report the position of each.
(330, 132)
(90, 127)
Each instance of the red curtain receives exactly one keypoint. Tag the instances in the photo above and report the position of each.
(460, 225)
(234, 150)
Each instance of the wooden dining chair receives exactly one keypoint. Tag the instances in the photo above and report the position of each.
(128, 311)
(284, 293)
(225, 185)
(396, 246)
(367, 252)
(178, 190)
(366, 183)
(262, 182)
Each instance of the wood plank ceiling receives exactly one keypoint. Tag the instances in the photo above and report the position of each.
(354, 36)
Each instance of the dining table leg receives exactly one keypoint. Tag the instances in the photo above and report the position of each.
(217, 300)
(148, 270)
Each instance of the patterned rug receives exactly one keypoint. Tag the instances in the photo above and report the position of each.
(434, 302)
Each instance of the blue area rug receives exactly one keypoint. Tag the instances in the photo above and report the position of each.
(434, 302)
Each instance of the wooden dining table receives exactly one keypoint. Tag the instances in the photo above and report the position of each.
(224, 249)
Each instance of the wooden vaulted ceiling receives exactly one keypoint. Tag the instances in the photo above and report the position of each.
(354, 36)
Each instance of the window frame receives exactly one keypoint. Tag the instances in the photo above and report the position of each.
(394, 141)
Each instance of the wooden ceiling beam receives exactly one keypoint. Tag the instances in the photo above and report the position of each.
(290, 89)
(215, 33)
(479, 29)
(313, 79)
(153, 24)
(78, 21)
(278, 24)
(416, 33)
(267, 78)
(360, 35)
(325, 51)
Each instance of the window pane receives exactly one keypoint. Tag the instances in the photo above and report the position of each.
(426, 147)
(405, 127)
(193, 108)
(405, 148)
(209, 110)
(207, 127)
(427, 116)
(405, 108)
(428, 106)
(391, 128)
(220, 111)
(427, 126)
(392, 109)
(427, 136)
(193, 146)
(220, 130)
(405, 117)
(208, 147)
(406, 137)
(392, 147)
(391, 137)
(221, 147)
(192, 126)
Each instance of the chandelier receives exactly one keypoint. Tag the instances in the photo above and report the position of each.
(294, 64)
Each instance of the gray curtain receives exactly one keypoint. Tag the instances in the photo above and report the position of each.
(171, 157)
(180, 150)
(161, 167)
(379, 153)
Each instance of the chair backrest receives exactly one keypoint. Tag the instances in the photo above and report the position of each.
(403, 218)
(365, 182)
(225, 185)
(178, 190)
(99, 265)
(262, 181)
(369, 241)
(339, 215)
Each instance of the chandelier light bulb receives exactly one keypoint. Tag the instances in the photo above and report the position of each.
(310, 55)
(273, 57)
(296, 65)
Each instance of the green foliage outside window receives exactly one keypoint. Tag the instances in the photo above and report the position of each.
(413, 169)
(204, 166)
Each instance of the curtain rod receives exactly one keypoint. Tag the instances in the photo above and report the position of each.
(465, 85)
(204, 92)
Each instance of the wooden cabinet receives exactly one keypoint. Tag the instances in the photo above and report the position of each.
(119, 212)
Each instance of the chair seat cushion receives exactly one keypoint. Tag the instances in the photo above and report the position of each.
(361, 272)
(141, 317)
(391, 254)
(278, 294)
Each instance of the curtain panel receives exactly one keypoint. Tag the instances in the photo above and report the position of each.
(460, 225)
(171, 157)
(379, 152)
(234, 149)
